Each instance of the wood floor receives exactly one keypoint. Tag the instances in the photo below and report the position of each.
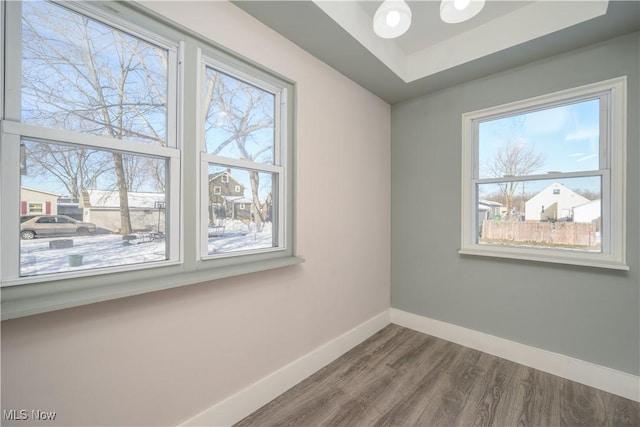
(400, 377)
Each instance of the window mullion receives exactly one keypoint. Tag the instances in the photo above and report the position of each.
(204, 205)
(174, 73)
(12, 60)
(9, 199)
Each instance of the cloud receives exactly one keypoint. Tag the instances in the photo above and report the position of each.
(576, 154)
(582, 159)
(548, 121)
(582, 134)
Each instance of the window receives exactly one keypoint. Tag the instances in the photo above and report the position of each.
(35, 207)
(244, 139)
(92, 115)
(555, 167)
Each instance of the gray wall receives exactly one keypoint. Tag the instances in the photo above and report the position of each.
(590, 314)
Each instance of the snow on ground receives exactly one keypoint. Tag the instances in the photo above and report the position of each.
(110, 250)
(97, 251)
(239, 236)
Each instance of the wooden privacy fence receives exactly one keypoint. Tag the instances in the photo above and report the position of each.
(540, 233)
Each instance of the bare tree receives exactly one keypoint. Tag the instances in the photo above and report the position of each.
(513, 159)
(76, 168)
(84, 76)
(243, 116)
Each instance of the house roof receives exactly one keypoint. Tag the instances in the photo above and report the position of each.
(111, 199)
(489, 203)
(237, 199)
(558, 186)
(592, 202)
(216, 175)
(39, 191)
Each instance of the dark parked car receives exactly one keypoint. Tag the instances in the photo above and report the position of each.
(32, 226)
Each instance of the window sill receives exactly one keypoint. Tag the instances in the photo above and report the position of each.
(35, 298)
(556, 257)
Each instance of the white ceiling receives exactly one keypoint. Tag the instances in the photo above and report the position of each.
(431, 46)
(433, 55)
(428, 29)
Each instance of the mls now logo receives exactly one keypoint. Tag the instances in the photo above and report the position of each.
(23, 414)
(15, 414)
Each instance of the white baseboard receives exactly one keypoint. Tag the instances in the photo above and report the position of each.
(243, 403)
(600, 377)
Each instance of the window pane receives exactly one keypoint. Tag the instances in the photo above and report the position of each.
(564, 213)
(559, 139)
(242, 210)
(239, 121)
(81, 75)
(101, 209)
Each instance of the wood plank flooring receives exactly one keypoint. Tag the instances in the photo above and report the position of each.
(400, 377)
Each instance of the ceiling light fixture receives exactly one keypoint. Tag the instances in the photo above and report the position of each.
(455, 11)
(392, 19)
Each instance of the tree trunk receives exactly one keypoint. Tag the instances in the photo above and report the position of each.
(255, 183)
(123, 191)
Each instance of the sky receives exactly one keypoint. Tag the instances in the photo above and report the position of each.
(567, 137)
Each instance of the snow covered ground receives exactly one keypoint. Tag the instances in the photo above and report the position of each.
(109, 250)
(239, 236)
(97, 251)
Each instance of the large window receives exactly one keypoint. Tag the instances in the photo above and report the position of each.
(93, 120)
(99, 143)
(544, 178)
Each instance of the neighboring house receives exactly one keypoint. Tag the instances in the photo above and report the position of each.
(102, 207)
(34, 202)
(240, 207)
(554, 203)
(489, 209)
(226, 198)
(589, 212)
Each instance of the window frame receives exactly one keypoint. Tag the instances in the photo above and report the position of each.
(34, 294)
(612, 170)
(281, 162)
(14, 131)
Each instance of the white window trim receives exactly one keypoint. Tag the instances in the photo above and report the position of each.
(34, 295)
(613, 172)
